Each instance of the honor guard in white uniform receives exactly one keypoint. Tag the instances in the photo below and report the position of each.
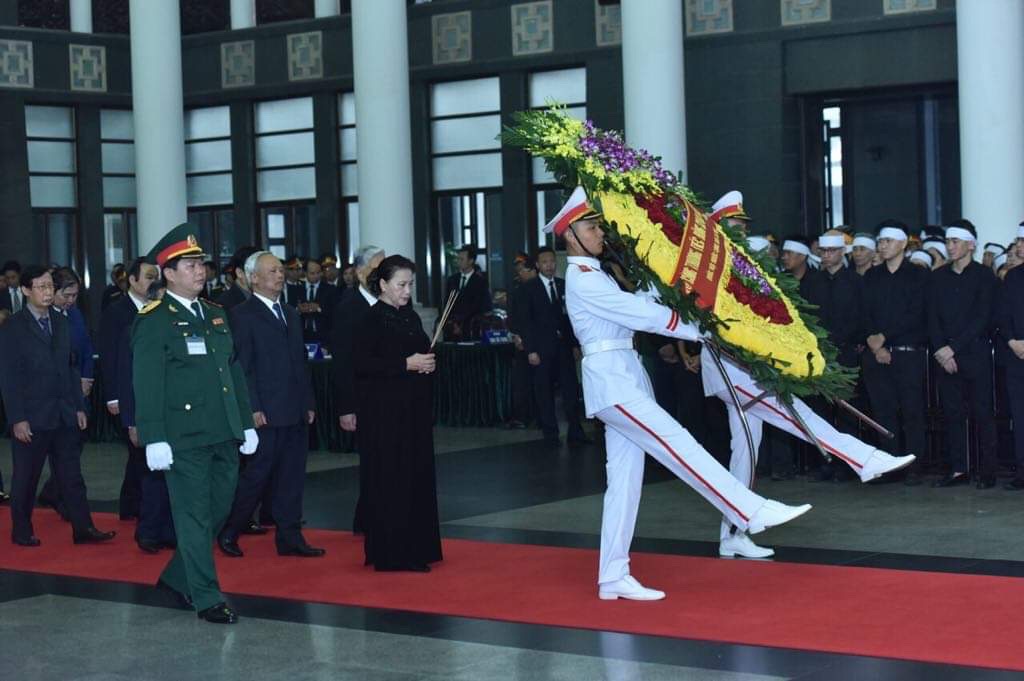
(617, 390)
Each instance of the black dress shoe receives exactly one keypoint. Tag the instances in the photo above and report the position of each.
(302, 551)
(149, 546)
(27, 541)
(218, 614)
(254, 528)
(93, 536)
(419, 567)
(986, 482)
(1014, 485)
(229, 547)
(181, 600)
(4, 497)
(952, 479)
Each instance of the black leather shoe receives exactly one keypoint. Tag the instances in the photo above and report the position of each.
(986, 482)
(229, 547)
(302, 551)
(93, 536)
(952, 479)
(149, 546)
(183, 601)
(4, 497)
(419, 567)
(27, 541)
(254, 528)
(1014, 485)
(218, 614)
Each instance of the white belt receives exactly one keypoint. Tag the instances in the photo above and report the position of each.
(607, 345)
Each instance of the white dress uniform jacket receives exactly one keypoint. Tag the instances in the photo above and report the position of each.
(603, 317)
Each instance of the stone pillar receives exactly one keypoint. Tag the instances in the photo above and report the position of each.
(159, 120)
(380, 56)
(990, 67)
(243, 14)
(81, 16)
(326, 8)
(653, 82)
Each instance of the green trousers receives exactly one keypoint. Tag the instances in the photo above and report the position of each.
(201, 484)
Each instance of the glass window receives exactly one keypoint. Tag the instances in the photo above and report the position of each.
(208, 190)
(117, 124)
(48, 191)
(284, 150)
(202, 157)
(115, 240)
(284, 114)
(119, 192)
(208, 122)
(118, 158)
(467, 171)
(465, 134)
(352, 221)
(465, 96)
(347, 150)
(565, 86)
(286, 184)
(50, 121)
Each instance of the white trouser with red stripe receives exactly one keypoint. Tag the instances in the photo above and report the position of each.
(844, 447)
(642, 426)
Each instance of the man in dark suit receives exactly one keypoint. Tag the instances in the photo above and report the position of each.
(348, 316)
(294, 287)
(549, 344)
(239, 291)
(11, 299)
(42, 394)
(522, 384)
(155, 529)
(269, 346)
(118, 317)
(1010, 314)
(320, 299)
(474, 296)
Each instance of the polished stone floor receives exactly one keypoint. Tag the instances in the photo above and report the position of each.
(499, 485)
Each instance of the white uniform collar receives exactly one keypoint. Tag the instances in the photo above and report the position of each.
(584, 260)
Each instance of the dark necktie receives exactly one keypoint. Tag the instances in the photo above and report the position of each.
(196, 309)
(463, 282)
(280, 315)
(552, 291)
(44, 323)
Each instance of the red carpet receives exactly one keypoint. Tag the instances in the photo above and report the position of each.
(933, 617)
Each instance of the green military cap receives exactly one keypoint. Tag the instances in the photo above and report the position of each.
(180, 242)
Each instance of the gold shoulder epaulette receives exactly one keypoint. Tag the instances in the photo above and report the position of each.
(150, 306)
(213, 304)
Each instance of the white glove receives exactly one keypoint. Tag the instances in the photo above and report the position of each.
(158, 456)
(252, 440)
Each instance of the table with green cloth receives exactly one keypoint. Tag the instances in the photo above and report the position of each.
(473, 384)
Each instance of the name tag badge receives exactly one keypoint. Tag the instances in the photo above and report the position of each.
(196, 345)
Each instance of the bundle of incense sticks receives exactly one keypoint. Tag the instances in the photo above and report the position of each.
(452, 297)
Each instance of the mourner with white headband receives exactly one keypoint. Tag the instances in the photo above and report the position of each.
(616, 390)
(863, 252)
(893, 365)
(960, 298)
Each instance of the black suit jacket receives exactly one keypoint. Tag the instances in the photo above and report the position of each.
(274, 361)
(348, 317)
(118, 316)
(232, 297)
(475, 298)
(5, 300)
(318, 324)
(1010, 318)
(542, 324)
(39, 382)
(294, 293)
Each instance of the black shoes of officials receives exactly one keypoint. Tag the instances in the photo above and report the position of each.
(89, 536)
(230, 548)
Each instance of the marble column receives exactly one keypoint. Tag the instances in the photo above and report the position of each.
(990, 70)
(380, 55)
(243, 14)
(653, 79)
(159, 119)
(81, 16)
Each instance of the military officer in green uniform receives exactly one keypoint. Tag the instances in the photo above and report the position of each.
(192, 410)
